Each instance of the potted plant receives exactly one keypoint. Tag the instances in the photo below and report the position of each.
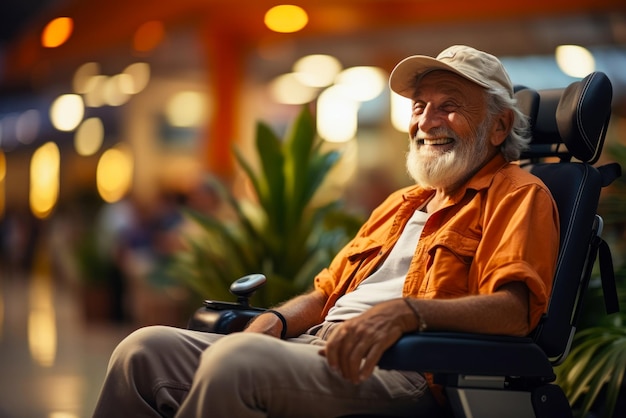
(283, 234)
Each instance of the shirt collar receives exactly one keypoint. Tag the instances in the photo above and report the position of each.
(484, 177)
(481, 180)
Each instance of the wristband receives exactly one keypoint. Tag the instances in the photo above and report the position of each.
(421, 327)
(280, 316)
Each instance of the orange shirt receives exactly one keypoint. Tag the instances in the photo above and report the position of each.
(501, 227)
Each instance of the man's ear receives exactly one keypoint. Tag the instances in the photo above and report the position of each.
(502, 127)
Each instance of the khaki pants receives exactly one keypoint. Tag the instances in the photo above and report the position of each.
(169, 372)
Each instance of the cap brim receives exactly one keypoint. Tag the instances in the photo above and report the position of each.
(402, 78)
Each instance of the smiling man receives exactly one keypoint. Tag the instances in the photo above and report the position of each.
(471, 247)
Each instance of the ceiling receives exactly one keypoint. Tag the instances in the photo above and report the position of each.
(102, 25)
(376, 31)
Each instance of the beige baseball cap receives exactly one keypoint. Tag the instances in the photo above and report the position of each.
(477, 66)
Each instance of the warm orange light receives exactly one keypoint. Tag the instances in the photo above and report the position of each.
(44, 179)
(286, 18)
(114, 174)
(57, 32)
(148, 36)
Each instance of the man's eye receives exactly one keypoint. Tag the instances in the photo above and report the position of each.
(418, 108)
(449, 107)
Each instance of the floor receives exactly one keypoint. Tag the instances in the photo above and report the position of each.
(52, 361)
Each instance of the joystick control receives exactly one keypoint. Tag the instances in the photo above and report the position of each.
(245, 287)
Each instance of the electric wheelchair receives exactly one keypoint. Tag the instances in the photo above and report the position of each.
(502, 376)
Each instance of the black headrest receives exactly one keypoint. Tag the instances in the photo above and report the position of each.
(576, 117)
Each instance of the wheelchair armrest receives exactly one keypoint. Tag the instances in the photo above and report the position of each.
(222, 320)
(440, 353)
(469, 354)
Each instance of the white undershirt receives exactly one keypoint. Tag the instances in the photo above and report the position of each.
(387, 282)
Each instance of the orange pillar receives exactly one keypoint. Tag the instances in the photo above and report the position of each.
(225, 73)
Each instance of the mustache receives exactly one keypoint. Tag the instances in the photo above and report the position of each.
(441, 132)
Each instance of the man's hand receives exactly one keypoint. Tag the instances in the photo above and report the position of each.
(356, 345)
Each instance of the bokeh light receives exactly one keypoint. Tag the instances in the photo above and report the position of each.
(317, 70)
(95, 91)
(400, 108)
(363, 83)
(337, 115)
(115, 88)
(27, 126)
(286, 18)
(186, 109)
(288, 89)
(83, 76)
(89, 137)
(67, 112)
(139, 73)
(44, 179)
(148, 36)
(574, 60)
(57, 32)
(114, 173)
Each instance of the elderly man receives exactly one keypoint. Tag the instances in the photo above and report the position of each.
(471, 247)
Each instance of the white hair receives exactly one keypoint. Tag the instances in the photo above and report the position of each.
(517, 141)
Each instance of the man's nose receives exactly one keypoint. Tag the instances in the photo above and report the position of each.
(429, 118)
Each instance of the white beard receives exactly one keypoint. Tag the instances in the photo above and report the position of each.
(442, 170)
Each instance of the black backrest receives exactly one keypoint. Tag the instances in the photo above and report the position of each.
(569, 124)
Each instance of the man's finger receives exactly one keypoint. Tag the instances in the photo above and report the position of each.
(370, 361)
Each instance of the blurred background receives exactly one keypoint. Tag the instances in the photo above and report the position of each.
(113, 114)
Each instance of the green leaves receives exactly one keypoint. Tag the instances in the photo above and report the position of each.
(597, 361)
(282, 235)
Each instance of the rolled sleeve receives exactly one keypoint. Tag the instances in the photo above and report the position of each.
(521, 243)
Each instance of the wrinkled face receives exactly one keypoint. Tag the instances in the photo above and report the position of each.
(449, 131)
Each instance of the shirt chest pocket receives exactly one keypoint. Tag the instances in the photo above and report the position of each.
(449, 260)
(362, 257)
(362, 249)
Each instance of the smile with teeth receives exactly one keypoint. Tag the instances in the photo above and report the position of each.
(434, 141)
